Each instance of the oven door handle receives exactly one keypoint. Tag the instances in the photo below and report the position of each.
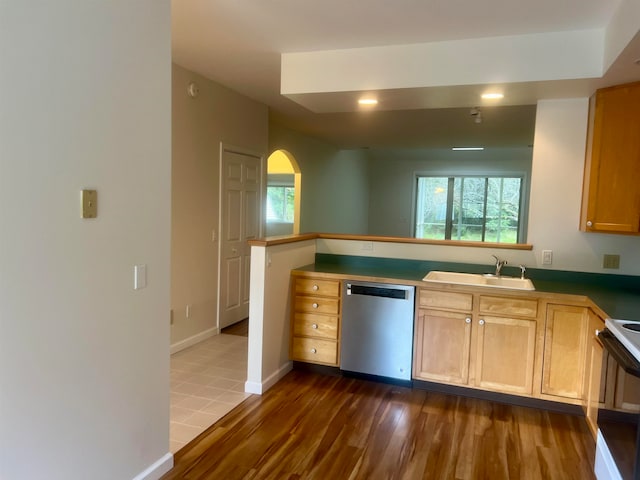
(618, 351)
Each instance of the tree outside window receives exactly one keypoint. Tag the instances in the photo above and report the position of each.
(469, 208)
(280, 203)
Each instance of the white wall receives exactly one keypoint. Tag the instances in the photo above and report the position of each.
(269, 330)
(335, 183)
(393, 179)
(84, 364)
(199, 124)
(558, 165)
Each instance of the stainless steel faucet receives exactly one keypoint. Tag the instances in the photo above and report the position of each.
(499, 265)
(523, 269)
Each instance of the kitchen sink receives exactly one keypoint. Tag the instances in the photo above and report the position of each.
(479, 279)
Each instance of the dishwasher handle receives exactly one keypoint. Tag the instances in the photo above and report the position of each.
(384, 292)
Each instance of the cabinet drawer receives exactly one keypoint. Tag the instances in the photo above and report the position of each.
(456, 301)
(522, 307)
(311, 325)
(317, 304)
(314, 286)
(315, 350)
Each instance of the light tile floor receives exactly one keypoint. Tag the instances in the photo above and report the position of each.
(207, 382)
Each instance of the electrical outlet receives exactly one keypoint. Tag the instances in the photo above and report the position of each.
(547, 257)
(188, 311)
(611, 261)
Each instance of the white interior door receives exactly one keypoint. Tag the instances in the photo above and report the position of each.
(240, 221)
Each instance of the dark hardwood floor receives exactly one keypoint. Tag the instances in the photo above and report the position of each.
(312, 426)
(240, 328)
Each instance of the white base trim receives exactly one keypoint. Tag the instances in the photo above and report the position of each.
(260, 388)
(605, 467)
(157, 469)
(197, 338)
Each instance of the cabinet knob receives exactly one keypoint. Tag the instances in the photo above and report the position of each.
(481, 322)
(313, 350)
(315, 288)
(314, 326)
(597, 332)
(467, 320)
(315, 305)
(589, 223)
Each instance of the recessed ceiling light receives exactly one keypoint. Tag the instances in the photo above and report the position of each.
(368, 101)
(492, 96)
(466, 149)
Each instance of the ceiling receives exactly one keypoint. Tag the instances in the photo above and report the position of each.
(240, 44)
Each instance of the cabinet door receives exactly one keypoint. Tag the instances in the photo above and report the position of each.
(442, 342)
(594, 388)
(506, 354)
(611, 196)
(565, 350)
(627, 392)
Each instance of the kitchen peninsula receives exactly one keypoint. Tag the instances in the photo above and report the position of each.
(273, 261)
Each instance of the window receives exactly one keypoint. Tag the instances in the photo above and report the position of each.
(469, 208)
(280, 203)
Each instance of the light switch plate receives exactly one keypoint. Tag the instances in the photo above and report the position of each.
(89, 200)
(139, 276)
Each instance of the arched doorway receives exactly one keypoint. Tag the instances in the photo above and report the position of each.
(284, 181)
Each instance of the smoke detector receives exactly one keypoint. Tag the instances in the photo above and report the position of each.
(476, 114)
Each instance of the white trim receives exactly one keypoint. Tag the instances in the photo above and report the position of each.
(197, 338)
(253, 387)
(157, 469)
(604, 466)
(260, 388)
(227, 147)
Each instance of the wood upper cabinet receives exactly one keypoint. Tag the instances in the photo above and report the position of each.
(315, 320)
(565, 350)
(506, 344)
(611, 192)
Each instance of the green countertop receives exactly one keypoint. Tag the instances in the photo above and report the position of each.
(617, 295)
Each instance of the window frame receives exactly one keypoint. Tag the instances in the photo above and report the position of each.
(449, 175)
(283, 185)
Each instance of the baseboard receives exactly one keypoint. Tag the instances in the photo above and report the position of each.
(270, 381)
(521, 401)
(197, 338)
(157, 469)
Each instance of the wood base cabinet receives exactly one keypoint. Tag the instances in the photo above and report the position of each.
(565, 350)
(595, 375)
(462, 339)
(506, 354)
(443, 341)
(315, 320)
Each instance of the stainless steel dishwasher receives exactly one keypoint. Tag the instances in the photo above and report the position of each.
(377, 329)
